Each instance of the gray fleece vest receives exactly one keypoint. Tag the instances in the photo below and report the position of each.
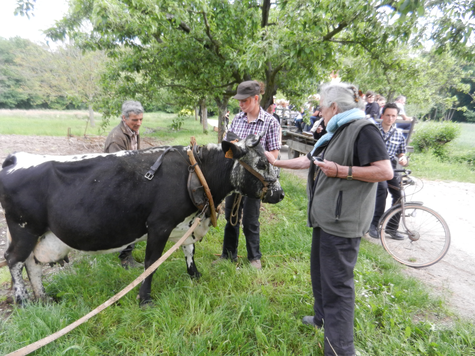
(341, 207)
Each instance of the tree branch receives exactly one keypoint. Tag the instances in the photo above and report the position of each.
(341, 26)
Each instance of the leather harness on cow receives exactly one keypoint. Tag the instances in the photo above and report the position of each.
(198, 189)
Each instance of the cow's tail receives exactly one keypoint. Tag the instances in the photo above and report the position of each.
(9, 161)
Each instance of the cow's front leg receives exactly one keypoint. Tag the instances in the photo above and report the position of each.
(153, 252)
(23, 243)
(189, 251)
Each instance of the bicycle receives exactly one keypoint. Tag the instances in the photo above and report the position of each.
(426, 234)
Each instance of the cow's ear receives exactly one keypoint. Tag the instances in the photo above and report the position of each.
(231, 150)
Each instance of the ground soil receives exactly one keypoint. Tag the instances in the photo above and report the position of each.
(452, 278)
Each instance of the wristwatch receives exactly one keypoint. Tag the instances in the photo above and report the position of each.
(350, 173)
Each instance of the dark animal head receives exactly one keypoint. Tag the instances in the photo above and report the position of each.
(252, 174)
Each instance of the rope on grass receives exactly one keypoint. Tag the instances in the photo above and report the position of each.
(45, 341)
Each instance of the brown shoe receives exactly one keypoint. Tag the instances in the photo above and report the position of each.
(256, 264)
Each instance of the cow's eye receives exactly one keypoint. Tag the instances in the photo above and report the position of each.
(261, 165)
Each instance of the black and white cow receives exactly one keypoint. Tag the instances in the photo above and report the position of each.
(100, 203)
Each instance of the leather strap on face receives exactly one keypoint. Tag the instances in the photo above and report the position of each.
(257, 175)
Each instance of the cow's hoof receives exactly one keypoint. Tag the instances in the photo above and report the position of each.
(145, 304)
(129, 262)
(195, 276)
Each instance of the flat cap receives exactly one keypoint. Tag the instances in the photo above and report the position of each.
(247, 89)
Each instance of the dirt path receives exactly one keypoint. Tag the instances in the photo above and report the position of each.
(452, 278)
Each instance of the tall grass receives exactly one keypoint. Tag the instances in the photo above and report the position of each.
(234, 309)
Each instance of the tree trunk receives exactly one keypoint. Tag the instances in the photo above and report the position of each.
(197, 111)
(92, 123)
(271, 87)
(204, 115)
(222, 109)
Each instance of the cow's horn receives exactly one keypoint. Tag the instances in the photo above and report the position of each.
(253, 140)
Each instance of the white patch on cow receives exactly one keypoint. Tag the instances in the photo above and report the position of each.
(50, 249)
(28, 160)
(155, 149)
(197, 235)
(22, 225)
(19, 285)
(188, 251)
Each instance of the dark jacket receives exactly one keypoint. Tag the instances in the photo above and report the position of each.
(119, 140)
(372, 109)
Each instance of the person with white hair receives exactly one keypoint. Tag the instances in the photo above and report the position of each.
(345, 165)
(126, 136)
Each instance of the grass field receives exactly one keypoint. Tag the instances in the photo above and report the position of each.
(234, 309)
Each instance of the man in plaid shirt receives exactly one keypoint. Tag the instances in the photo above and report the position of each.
(396, 146)
(252, 120)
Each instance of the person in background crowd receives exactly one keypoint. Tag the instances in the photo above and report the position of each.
(396, 147)
(381, 100)
(401, 103)
(341, 189)
(126, 136)
(252, 120)
(372, 107)
(226, 119)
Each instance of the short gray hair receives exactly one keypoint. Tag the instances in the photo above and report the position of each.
(399, 98)
(344, 95)
(131, 106)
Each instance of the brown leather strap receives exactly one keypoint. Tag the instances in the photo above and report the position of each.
(202, 179)
(255, 174)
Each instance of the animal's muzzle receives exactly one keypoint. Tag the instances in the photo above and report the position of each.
(273, 196)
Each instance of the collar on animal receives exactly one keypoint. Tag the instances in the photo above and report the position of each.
(202, 179)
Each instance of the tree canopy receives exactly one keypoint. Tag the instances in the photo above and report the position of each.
(204, 48)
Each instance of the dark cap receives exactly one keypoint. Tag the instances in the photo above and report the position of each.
(247, 89)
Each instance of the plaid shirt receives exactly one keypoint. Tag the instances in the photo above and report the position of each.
(394, 140)
(265, 122)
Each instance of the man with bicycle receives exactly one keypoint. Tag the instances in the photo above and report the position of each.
(396, 146)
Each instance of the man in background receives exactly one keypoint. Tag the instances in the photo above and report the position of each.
(126, 136)
(401, 102)
(396, 147)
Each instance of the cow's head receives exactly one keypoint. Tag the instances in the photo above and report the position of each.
(252, 174)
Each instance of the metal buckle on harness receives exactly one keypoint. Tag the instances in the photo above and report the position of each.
(149, 175)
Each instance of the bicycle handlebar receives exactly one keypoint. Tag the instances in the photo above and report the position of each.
(407, 171)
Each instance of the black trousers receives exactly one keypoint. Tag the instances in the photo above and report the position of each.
(332, 262)
(382, 194)
(249, 211)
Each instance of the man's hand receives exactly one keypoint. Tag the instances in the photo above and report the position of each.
(403, 160)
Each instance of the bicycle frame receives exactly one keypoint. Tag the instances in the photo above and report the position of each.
(401, 203)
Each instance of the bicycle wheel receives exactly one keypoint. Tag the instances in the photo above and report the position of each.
(426, 235)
